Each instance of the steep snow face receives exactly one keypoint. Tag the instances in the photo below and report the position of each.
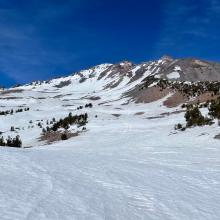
(105, 84)
(173, 75)
(107, 81)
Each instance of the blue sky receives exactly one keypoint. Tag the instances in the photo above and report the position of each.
(42, 39)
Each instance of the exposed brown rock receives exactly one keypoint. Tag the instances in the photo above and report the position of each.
(63, 84)
(116, 115)
(94, 98)
(175, 100)
(139, 113)
(148, 95)
(51, 137)
(11, 91)
(217, 136)
(204, 98)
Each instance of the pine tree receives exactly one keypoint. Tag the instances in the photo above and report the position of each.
(9, 142)
(2, 141)
(17, 141)
(64, 137)
(214, 109)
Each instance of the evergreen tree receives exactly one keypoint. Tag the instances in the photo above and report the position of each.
(2, 141)
(214, 109)
(9, 142)
(194, 117)
(17, 141)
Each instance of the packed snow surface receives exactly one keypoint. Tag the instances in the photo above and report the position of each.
(128, 168)
(128, 165)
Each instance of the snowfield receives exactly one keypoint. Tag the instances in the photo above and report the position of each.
(130, 164)
(128, 168)
(173, 75)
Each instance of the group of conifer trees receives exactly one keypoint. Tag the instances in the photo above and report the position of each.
(66, 122)
(194, 116)
(12, 111)
(11, 142)
(89, 105)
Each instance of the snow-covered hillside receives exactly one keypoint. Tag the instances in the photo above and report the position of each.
(129, 162)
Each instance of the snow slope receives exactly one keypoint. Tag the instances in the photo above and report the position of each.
(129, 164)
(127, 168)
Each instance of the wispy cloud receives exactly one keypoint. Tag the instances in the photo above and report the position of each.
(32, 44)
(214, 7)
(41, 38)
(186, 22)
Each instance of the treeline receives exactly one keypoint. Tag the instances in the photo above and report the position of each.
(191, 89)
(12, 111)
(11, 142)
(66, 122)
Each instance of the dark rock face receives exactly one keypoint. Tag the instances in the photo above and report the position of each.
(191, 69)
(187, 69)
(63, 84)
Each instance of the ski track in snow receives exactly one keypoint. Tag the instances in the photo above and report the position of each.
(112, 172)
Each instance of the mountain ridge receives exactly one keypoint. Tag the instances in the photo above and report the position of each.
(193, 68)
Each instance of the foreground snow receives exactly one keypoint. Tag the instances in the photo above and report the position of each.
(122, 168)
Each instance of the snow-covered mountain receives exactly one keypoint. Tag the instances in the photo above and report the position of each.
(126, 161)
